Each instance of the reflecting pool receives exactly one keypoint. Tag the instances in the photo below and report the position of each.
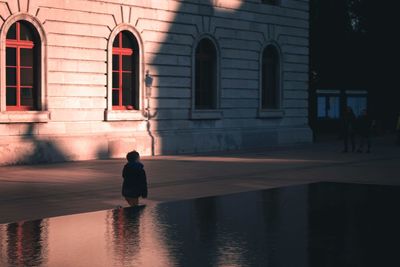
(322, 224)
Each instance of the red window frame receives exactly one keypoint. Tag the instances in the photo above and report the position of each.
(121, 52)
(19, 44)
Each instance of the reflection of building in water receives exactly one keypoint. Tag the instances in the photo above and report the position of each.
(24, 244)
(190, 229)
(107, 238)
(225, 75)
(239, 230)
(3, 244)
(285, 211)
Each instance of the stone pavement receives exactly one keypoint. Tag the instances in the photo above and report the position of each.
(38, 191)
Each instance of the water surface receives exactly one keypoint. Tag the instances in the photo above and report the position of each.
(323, 224)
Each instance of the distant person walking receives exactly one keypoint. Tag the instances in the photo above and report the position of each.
(398, 129)
(349, 121)
(364, 127)
(135, 181)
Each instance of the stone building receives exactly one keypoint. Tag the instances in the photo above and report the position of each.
(85, 79)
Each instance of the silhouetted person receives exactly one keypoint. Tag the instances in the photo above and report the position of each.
(349, 121)
(364, 126)
(135, 182)
(398, 129)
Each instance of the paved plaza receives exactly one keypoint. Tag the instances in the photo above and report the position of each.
(40, 191)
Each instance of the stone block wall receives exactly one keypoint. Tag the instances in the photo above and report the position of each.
(75, 121)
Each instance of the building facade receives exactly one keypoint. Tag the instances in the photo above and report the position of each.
(86, 79)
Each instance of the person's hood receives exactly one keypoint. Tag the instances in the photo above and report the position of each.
(135, 165)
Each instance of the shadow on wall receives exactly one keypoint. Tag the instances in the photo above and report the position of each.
(175, 55)
(34, 148)
(39, 150)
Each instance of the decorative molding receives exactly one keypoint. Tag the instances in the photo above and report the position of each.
(271, 113)
(24, 116)
(123, 115)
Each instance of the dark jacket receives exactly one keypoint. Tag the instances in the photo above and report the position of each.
(135, 182)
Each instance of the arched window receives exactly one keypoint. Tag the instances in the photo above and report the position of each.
(125, 72)
(205, 75)
(270, 80)
(22, 67)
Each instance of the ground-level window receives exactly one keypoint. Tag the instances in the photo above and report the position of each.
(270, 80)
(328, 107)
(22, 67)
(205, 75)
(125, 71)
(357, 103)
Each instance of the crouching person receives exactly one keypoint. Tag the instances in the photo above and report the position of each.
(135, 181)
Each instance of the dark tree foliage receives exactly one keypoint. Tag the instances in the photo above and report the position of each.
(354, 45)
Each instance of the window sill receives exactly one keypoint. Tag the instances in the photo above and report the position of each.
(24, 116)
(206, 114)
(123, 115)
(271, 113)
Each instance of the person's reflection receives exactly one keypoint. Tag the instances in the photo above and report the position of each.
(126, 239)
(27, 243)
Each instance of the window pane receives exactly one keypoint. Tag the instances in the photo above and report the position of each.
(26, 32)
(116, 41)
(127, 97)
(26, 57)
(115, 97)
(357, 104)
(126, 80)
(271, 86)
(11, 96)
(11, 77)
(27, 97)
(11, 57)
(126, 39)
(115, 62)
(333, 106)
(205, 72)
(127, 63)
(11, 34)
(27, 76)
(115, 79)
(270, 78)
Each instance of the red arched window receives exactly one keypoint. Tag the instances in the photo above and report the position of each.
(125, 71)
(22, 67)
